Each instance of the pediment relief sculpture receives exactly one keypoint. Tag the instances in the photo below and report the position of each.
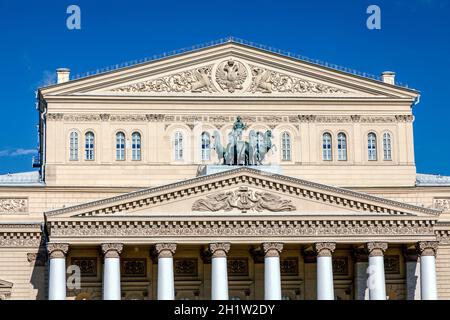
(243, 199)
(231, 76)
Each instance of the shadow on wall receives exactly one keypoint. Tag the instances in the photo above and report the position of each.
(39, 273)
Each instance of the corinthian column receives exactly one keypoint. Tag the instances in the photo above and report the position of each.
(272, 276)
(57, 278)
(111, 271)
(376, 281)
(219, 281)
(325, 288)
(166, 286)
(428, 287)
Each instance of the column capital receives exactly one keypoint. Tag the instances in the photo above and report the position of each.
(376, 249)
(272, 249)
(427, 248)
(219, 249)
(165, 250)
(57, 250)
(112, 250)
(324, 249)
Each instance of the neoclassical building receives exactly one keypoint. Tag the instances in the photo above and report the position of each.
(229, 171)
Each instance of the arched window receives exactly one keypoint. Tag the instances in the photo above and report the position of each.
(387, 146)
(285, 146)
(136, 146)
(178, 146)
(342, 146)
(120, 146)
(89, 145)
(73, 146)
(372, 146)
(206, 146)
(326, 146)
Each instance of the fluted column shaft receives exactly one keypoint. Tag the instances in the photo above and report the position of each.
(111, 271)
(376, 279)
(166, 283)
(219, 276)
(57, 273)
(272, 276)
(325, 287)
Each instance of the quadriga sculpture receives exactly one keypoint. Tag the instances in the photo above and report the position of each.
(240, 152)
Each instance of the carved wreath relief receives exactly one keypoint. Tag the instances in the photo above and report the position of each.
(243, 199)
(13, 205)
(231, 76)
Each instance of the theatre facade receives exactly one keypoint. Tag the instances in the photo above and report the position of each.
(225, 172)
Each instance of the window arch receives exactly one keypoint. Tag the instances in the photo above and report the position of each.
(342, 146)
(136, 146)
(73, 146)
(120, 146)
(206, 146)
(286, 146)
(326, 146)
(387, 146)
(89, 145)
(372, 146)
(178, 146)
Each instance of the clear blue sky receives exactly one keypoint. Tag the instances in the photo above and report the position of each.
(414, 41)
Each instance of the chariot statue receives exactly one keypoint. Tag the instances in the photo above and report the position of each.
(240, 152)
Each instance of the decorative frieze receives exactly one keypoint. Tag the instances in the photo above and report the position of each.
(87, 265)
(165, 250)
(219, 249)
(13, 205)
(427, 248)
(324, 249)
(237, 266)
(376, 248)
(112, 250)
(57, 250)
(243, 228)
(185, 267)
(243, 199)
(134, 267)
(218, 121)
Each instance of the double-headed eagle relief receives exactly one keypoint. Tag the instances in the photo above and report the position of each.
(231, 75)
(240, 152)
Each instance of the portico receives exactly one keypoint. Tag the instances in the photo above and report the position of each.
(287, 250)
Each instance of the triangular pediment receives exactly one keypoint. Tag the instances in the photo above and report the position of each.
(229, 70)
(243, 191)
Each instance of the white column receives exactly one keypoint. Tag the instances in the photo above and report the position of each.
(376, 281)
(166, 283)
(272, 275)
(111, 271)
(219, 277)
(325, 288)
(428, 286)
(57, 277)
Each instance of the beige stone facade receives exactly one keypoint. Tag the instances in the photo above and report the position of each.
(122, 162)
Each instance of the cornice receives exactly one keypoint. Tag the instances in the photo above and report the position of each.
(250, 176)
